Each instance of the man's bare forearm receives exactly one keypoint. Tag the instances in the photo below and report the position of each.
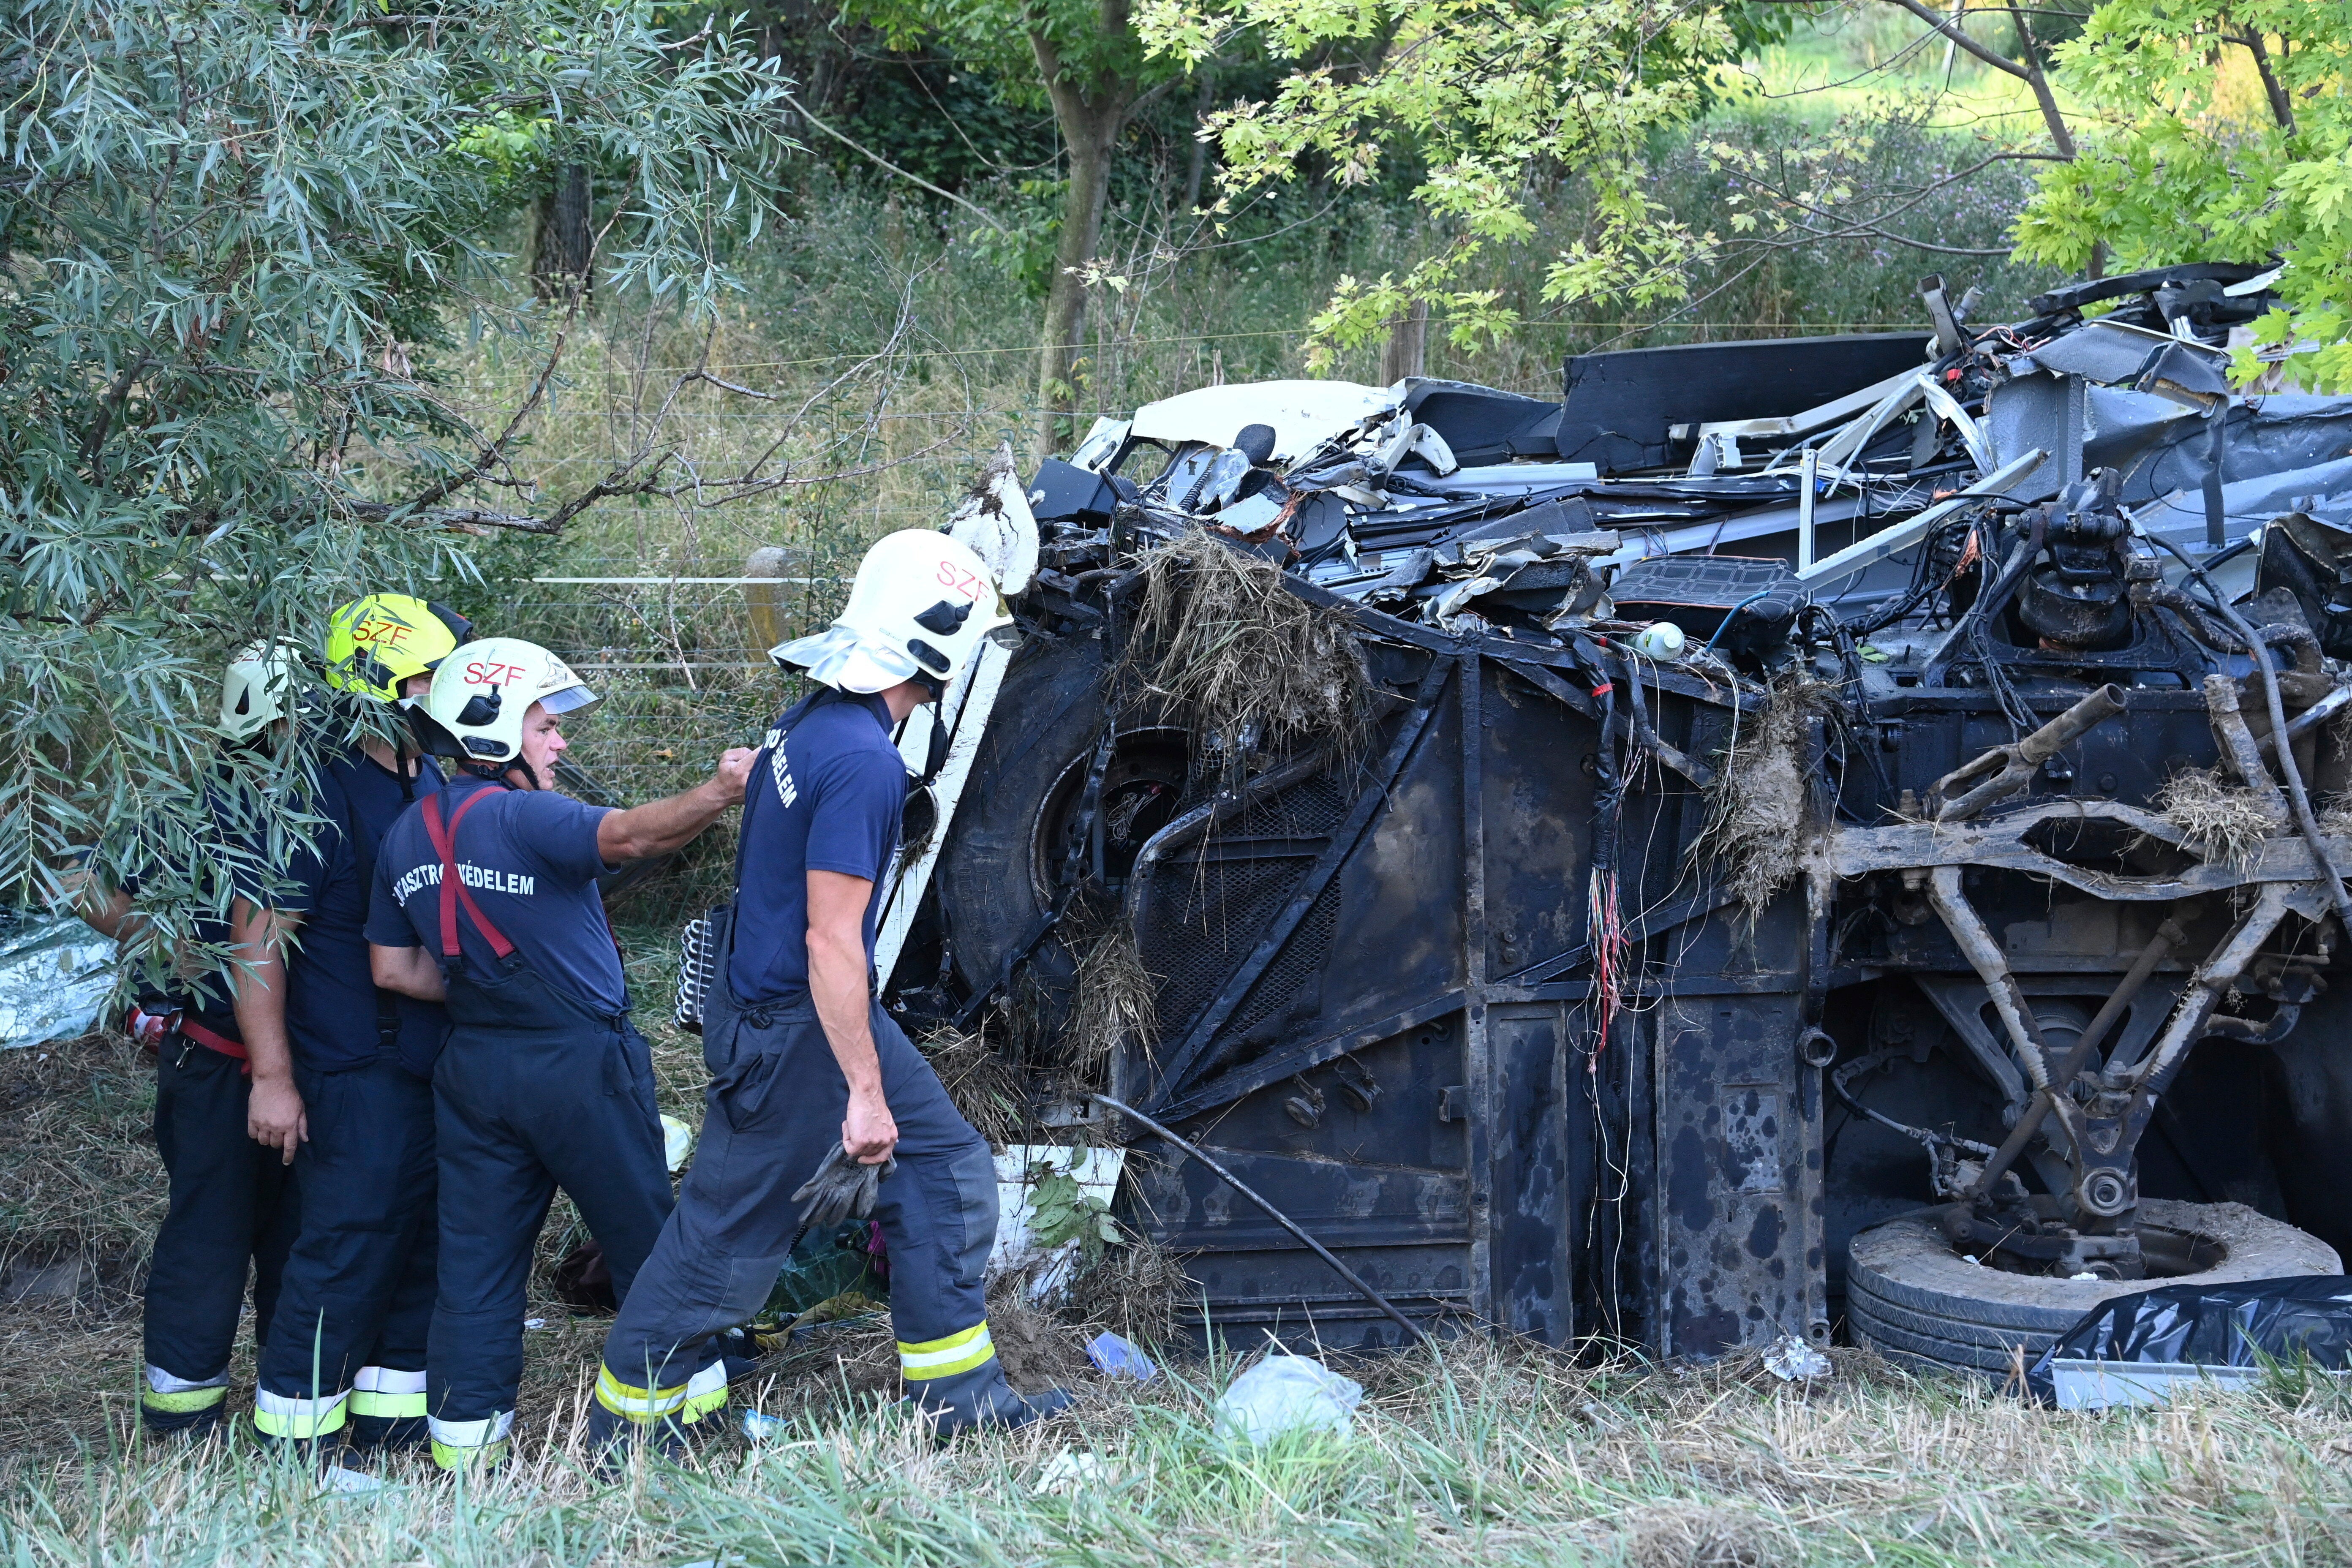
(661, 826)
(837, 985)
(106, 911)
(410, 970)
(274, 1112)
(257, 989)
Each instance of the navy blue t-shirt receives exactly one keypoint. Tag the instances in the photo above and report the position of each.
(825, 793)
(331, 1000)
(529, 858)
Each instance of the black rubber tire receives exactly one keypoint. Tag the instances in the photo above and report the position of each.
(1048, 713)
(1912, 1298)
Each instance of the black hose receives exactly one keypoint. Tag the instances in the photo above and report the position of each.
(1274, 1213)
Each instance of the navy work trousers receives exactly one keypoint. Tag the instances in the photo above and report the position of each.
(772, 1113)
(231, 1212)
(565, 1099)
(359, 1290)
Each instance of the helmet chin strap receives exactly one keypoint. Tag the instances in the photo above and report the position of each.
(936, 751)
(497, 772)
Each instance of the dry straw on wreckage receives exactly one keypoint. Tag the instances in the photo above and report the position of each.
(1762, 810)
(1255, 667)
(2219, 820)
(1118, 999)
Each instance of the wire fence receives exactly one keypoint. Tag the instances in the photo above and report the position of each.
(658, 607)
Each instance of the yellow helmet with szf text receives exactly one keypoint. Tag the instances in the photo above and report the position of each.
(376, 643)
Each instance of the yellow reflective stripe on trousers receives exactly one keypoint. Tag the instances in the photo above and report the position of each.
(946, 1357)
(181, 1402)
(460, 1444)
(275, 1415)
(388, 1393)
(169, 1394)
(704, 1392)
(631, 1403)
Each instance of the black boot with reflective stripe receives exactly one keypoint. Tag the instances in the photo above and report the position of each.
(972, 1396)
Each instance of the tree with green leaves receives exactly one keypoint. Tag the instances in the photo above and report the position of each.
(2175, 166)
(1084, 58)
(1492, 100)
(246, 242)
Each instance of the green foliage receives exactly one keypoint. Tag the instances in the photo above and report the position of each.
(953, 126)
(1001, 38)
(1061, 1211)
(1031, 212)
(1492, 98)
(243, 242)
(2183, 161)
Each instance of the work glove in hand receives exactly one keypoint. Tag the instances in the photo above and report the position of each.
(841, 1189)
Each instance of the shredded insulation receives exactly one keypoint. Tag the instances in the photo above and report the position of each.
(2218, 821)
(1257, 668)
(1762, 810)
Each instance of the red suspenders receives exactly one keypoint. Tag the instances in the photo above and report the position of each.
(444, 844)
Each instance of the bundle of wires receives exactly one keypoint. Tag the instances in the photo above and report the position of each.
(1604, 923)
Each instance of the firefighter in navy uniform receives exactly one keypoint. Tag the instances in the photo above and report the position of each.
(231, 1195)
(806, 1067)
(357, 1298)
(486, 895)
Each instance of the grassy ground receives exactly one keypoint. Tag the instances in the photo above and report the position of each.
(1501, 1454)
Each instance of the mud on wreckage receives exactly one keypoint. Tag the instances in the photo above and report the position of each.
(1928, 929)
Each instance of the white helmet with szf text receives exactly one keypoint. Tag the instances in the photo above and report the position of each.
(481, 693)
(920, 609)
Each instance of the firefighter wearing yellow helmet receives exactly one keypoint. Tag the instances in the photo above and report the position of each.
(486, 895)
(349, 1094)
(817, 1091)
(377, 645)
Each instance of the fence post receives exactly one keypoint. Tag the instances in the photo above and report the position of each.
(766, 601)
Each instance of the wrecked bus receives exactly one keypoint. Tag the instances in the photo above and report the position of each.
(1832, 831)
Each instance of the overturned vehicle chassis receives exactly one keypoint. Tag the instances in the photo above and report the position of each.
(1472, 993)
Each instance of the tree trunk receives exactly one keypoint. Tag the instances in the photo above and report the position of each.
(1091, 114)
(1405, 353)
(559, 245)
(1197, 169)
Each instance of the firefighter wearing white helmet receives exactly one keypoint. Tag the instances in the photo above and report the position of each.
(486, 897)
(923, 605)
(819, 1106)
(256, 691)
(230, 1206)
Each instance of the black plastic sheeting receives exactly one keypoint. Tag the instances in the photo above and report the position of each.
(2237, 1324)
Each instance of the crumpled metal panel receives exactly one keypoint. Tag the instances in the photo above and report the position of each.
(56, 975)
